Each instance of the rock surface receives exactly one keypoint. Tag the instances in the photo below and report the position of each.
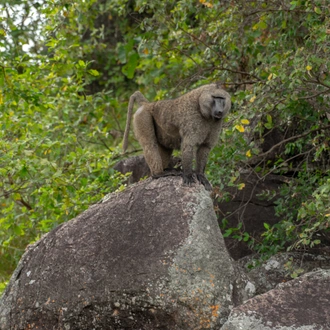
(246, 205)
(282, 267)
(301, 304)
(151, 257)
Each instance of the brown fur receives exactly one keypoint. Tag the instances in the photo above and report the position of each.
(191, 122)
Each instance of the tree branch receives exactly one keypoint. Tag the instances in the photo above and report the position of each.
(290, 139)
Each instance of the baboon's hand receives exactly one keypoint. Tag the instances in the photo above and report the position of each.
(188, 179)
(204, 181)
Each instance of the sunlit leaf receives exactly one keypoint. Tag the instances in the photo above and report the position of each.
(241, 186)
(94, 73)
(240, 128)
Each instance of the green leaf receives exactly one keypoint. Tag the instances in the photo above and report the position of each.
(129, 69)
(81, 64)
(246, 237)
(94, 73)
(293, 5)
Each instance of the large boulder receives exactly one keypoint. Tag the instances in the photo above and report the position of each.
(253, 206)
(300, 304)
(151, 257)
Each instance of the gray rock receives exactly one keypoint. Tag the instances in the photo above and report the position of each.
(282, 267)
(151, 257)
(139, 167)
(300, 304)
(136, 165)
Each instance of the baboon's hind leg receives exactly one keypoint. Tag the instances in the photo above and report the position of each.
(165, 154)
(145, 133)
(166, 157)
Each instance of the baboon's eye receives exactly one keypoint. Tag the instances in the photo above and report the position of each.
(219, 100)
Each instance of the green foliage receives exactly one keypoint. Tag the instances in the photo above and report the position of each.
(304, 210)
(286, 68)
(308, 221)
(56, 156)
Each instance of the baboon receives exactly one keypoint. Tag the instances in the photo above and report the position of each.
(191, 122)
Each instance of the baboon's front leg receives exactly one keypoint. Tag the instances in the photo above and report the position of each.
(188, 155)
(201, 160)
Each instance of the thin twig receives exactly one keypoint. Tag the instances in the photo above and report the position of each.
(290, 139)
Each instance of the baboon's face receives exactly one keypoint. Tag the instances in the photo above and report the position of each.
(214, 104)
(218, 107)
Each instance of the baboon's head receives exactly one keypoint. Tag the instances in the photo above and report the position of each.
(214, 104)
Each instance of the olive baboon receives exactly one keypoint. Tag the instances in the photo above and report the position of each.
(191, 122)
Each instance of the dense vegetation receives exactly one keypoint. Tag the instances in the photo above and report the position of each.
(67, 70)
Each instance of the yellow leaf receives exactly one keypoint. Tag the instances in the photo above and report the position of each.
(245, 121)
(252, 99)
(248, 153)
(270, 76)
(146, 51)
(1, 98)
(241, 186)
(308, 68)
(206, 4)
(233, 178)
(240, 128)
(327, 215)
